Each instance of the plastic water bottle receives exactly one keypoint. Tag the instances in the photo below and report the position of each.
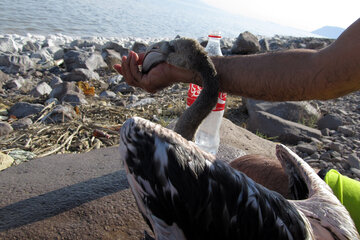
(207, 136)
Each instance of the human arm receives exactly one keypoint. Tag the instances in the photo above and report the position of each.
(300, 74)
(296, 74)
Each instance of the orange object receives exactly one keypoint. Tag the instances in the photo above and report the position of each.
(85, 87)
(99, 133)
(77, 110)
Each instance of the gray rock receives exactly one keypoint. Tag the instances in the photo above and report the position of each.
(107, 94)
(316, 44)
(3, 78)
(16, 63)
(325, 156)
(246, 43)
(123, 88)
(299, 112)
(41, 90)
(133, 98)
(80, 74)
(24, 109)
(117, 47)
(276, 44)
(80, 59)
(7, 45)
(336, 146)
(307, 148)
(43, 55)
(142, 102)
(111, 57)
(15, 83)
(264, 44)
(20, 155)
(115, 80)
(60, 114)
(52, 100)
(60, 90)
(31, 46)
(5, 128)
(139, 47)
(356, 172)
(354, 161)
(284, 131)
(331, 121)
(55, 81)
(22, 123)
(325, 132)
(74, 98)
(85, 43)
(346, 130)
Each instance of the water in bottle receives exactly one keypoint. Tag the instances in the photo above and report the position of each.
(207, 136)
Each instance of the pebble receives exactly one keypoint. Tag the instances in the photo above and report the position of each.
(5, 128)
(5, 161)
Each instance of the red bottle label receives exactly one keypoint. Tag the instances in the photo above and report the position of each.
(194, 92)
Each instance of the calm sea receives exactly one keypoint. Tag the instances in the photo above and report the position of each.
(128, 18)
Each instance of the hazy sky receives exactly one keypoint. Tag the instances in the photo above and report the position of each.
(304, 14)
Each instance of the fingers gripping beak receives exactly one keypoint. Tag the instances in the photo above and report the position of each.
(155, 54)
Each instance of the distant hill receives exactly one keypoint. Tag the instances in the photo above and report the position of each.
(329, 32)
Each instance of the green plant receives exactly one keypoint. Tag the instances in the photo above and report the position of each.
(259, 134)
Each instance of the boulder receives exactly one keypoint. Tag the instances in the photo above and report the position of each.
(81, 59)
(240, 138)
(16, 63)
(331, 121)
(41, 89)
(7, 45)
(80, 74)
(280, 129)
(87, 195)
(246, 43)
(5, 128)
(299, 112)
(5, 161)
(24, 109)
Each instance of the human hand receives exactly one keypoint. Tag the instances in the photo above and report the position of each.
(159, 77)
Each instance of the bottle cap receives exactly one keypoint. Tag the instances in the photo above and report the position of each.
(215, 34)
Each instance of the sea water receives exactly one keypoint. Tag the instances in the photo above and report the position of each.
(128, 18)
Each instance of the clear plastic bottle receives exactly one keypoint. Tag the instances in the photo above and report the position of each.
(207, 136)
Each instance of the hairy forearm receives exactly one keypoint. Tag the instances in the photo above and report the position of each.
(295, 74)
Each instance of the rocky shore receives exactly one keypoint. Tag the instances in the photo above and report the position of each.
(59, 94)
